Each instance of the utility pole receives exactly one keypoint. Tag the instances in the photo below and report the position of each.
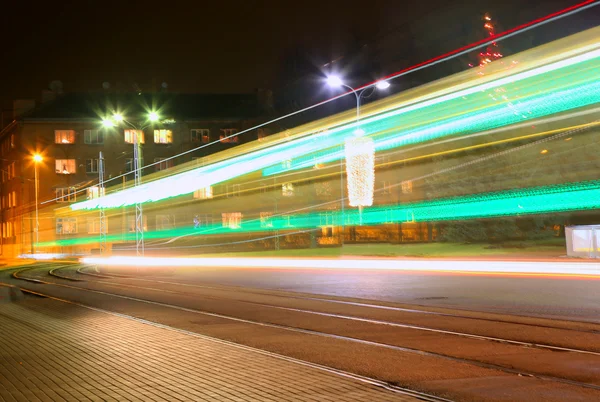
(101, 194)
(137, 181)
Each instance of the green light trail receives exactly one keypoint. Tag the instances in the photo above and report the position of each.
(527, 201)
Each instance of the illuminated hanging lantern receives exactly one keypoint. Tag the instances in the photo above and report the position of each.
(360, 169)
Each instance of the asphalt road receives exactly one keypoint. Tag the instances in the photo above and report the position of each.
(539, 296)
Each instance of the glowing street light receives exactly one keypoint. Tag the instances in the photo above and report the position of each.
(382, 85)
(118, 117)
(334, 81)
(153, 116)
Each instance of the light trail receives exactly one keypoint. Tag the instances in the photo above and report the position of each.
(411, 130)
(577, 95)
(336, 173)
(430, 265)
(526, 201)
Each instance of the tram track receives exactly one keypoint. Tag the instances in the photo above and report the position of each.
(405, 322)
(355, 318)
(467, 315)
(20, 274)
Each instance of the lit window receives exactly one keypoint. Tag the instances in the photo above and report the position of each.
(130, 136)
(12, 141)
(131, 223)
(226, 135)
(66, 194)
(94, 192)
(204, 193)
(8, 229)
(262, 134)
(12, 198)
(200, 135)
(94, 225)
(233, 190)
(266, 219)
(162, 164)
(65, 166)
(387, 187)
(66, 225)
(64, 136)
(407, 187)
(163, 136)
(165, 222)
(287, 189)
(93, 137)
(11, 171)
(91, 165)
(232, 220)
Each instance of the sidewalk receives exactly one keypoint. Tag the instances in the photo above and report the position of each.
(53, 351)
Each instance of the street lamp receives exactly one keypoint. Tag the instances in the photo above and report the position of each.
(360, 156)
(37, 158)
(116, 119)
(335, 81)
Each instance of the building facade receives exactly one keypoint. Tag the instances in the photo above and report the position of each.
(67, 132)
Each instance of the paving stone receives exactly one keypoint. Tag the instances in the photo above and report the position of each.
(53, 351)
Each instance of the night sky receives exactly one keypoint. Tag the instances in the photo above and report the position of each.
(194, 46)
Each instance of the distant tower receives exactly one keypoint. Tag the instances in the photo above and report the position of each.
(492, 52)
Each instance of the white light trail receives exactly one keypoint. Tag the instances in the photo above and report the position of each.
(429, 265)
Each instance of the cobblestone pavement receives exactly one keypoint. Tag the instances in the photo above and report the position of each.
(53, 351)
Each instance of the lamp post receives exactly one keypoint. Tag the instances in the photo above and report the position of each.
(359, 149)
(117, 119)
(37, 158)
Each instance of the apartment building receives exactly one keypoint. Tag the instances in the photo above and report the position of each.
(68, 133)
